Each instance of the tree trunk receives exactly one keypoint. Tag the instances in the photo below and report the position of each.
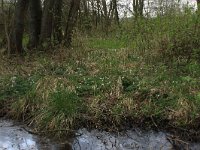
(72, 18)
(47, 21)
(106, 17)
(18, 27)
(35, 15)
(111, 11)
(85, 7)
(198, 5)
(94, 14)
(98, 12)
(57, 22)
(141, 7)
(138, 6)
(116, 11)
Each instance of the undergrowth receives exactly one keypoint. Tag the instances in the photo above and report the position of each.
(147, 71)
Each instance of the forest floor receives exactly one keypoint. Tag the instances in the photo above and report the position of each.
(103, 85)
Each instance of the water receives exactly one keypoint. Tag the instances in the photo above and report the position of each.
(130, 140)
(15, 137)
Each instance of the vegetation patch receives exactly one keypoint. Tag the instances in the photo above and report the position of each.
(145, 73)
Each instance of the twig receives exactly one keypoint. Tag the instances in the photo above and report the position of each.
(171, 137)
(154, 122)
(176, 142)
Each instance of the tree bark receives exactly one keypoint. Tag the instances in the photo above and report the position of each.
(35, 15)
(47, 21)
(57, 21)
(18, 27)
(94, 14)
(106, 17)
(111, 10)
(116, 11)
(72, 18)
(138, 6)
(98, 11)
(85, 7)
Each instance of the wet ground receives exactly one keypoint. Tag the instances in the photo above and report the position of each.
(130, 140)
(14, 136)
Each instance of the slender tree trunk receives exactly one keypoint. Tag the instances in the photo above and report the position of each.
(85, 14)
(138, 6)
(57, 22)
(106, 17)
(94, 14)
(98, 12)
(5, 25)
(135, 6)
(85, 7)
(35, 16)
(71, 22)
(18, 27)
(105, 7)
(116, 11)
(47, 21)
(198, 5)
(110, 13)
(141, 7)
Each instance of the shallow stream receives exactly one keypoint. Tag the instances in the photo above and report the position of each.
(14, 136)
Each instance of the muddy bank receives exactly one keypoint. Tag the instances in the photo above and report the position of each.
(16, 137)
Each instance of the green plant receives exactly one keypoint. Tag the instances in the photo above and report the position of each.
(16, 86)
(66, 102)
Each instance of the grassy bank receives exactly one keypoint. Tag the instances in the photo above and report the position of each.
(142, 77)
